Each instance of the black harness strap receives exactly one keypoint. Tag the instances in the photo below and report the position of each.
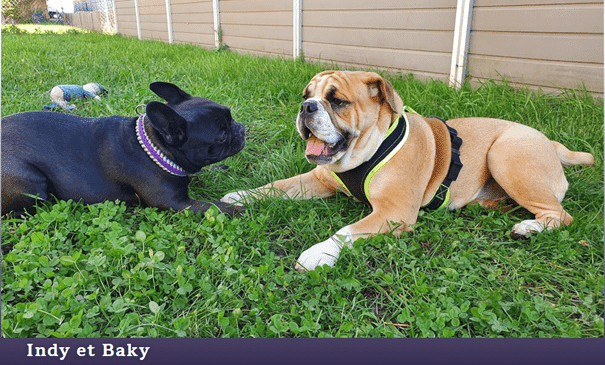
(441, 195)
(354, 180)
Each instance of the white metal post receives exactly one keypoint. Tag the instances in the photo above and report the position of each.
(115, 16)
(106, 26)
(297, 31)
(462, 32)
(138, 16)
(169, 21)
(217, 23)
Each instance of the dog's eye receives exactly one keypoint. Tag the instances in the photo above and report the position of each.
(222, 139)
(338, 102)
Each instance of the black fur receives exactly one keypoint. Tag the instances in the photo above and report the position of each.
(48, 154)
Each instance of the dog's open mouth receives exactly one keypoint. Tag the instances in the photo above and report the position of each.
(321, 152)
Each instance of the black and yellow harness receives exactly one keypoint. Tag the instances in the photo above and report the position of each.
(356, 182)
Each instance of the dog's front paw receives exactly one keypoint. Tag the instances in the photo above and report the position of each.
(236, 197)
(324, 253)
(233, 210)
(523, 229)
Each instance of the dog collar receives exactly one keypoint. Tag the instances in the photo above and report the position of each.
(155, 153)
(356, 182)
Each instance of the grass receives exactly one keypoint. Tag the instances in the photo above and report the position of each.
(107, 270)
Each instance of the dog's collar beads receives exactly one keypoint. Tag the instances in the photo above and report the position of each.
(155, 153)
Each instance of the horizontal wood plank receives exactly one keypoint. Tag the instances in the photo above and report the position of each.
(269, 18)
(399, 19)
(194, 28)
(194, 38)
(262, 32)
(205, 8)
(239, 6)
(377, 4)
(192, 18)
(270, 46)
(506, 3)
(438, 41)
(413, 61)
(551, 74)
(553, 19)
(554, 47)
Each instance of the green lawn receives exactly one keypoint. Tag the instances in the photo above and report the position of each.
(108, 270)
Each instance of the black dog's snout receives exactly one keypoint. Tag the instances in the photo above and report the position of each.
(309, 107)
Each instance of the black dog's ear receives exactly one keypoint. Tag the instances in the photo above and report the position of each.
(171, 126)
(169, 92)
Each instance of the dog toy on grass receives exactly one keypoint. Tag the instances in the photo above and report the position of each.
(61, 94)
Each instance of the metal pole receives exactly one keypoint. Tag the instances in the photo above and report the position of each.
(115, 16)
(462, 32)
(297, 28)
(106, 27)
(169, 21)
(217, 24)
(136, 9)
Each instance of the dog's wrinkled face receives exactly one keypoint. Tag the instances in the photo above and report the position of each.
(197, 131)
(345, 116)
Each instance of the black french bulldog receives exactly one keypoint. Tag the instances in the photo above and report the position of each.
(144, 159)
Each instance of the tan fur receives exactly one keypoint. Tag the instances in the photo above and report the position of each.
(502, 160)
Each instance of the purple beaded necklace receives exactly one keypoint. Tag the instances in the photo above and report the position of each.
(154, 153)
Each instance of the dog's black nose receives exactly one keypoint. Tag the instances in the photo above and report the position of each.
(309, 107)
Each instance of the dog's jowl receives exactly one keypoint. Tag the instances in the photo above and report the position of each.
(145, 159)
(367, 144)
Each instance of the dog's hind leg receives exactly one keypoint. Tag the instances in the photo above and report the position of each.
(20, 192)
(492, 196)
(525, 164)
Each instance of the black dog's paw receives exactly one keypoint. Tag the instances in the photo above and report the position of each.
(235, 210)
(232, 210)
(220, 167)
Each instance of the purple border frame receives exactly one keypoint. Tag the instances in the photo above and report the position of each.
(315, 351)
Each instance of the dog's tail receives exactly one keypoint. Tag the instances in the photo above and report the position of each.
(568, 157)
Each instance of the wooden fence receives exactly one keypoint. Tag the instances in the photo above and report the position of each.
(537, 43)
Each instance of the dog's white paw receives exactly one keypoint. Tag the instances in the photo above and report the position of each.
(236, 197)
(526, 227)
(326, 252)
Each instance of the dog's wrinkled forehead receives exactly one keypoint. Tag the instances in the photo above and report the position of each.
(343, 85)
(323, 85)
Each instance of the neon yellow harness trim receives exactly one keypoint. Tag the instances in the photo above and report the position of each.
(380, 165)
(386, 159)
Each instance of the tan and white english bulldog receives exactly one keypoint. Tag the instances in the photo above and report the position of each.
(345, 118)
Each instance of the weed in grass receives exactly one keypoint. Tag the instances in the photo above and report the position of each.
(107, 270)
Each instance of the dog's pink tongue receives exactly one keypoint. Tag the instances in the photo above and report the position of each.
(315, 147)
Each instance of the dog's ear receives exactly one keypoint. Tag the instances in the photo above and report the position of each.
(382, 90)
(169, 92)
(171, 126)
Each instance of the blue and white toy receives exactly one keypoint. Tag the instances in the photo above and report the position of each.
(61, 94)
